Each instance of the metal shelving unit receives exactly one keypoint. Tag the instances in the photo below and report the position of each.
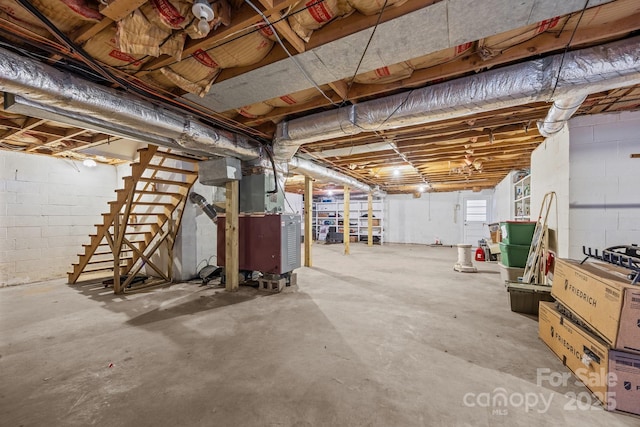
(522, 199)
(327, 217)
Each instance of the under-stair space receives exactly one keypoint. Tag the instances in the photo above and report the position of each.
(141, 224)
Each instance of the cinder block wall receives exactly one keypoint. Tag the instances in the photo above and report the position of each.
(48, 208)
(604, 204)
(433, 215)
(550, 171)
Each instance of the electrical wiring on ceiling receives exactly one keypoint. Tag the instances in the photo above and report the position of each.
(293, 58)
(566, 49)
(129, 86)
(366, 47)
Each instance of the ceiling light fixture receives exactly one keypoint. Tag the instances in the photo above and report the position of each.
(90, 163)
(396, 172)
(202, 10)
(421, 188)
(330, 192)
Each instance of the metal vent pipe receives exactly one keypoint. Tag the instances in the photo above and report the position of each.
(559, 113)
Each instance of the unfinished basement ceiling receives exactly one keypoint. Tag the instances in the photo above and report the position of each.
(240, 78)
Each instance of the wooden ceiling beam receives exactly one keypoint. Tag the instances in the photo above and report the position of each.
(455, 152)
(490, 119)
(283, 28)
(242, 19)
(412, 140)
(68, 136)
(543, 43)
(340, 87)
(118, 9)
(29, 124)
(88, 31)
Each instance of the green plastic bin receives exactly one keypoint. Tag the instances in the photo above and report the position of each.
(517, 232)
(514, 255)
(525, 298)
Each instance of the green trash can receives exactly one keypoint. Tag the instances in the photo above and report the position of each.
(517, 232)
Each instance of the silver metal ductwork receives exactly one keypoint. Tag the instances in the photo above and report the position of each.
(49, 94)
(584, 71)
(68, 96)
(559, 113)
(314, 170)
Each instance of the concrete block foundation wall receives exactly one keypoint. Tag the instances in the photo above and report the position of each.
(604, 202)
(502, 207)
(422, 220)
(589, 166)
(550, 171)
(48, 208)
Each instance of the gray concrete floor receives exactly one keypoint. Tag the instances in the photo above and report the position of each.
(388, 336)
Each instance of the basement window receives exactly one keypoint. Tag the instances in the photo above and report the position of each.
(476, 210)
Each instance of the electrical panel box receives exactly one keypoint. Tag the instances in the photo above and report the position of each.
(255, 196)
(267, 243)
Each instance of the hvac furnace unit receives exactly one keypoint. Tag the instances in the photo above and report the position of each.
(268, 243)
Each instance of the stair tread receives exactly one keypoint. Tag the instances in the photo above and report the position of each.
(176, 156)
(106, 244)
(165, 181)
(91, 270)
(171, 170)
(106, 260)
(159, 193)
(153, 203)
(106, 252)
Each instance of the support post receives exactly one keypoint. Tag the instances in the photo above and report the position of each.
(116, 254)
(171, 234)
(370, 219)
(345, 221)
(231, 262)
(308, 224)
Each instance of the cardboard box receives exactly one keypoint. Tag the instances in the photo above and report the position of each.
(353, 238)
(586, 355)
(624, 370)
(613, 376)
(603, 299)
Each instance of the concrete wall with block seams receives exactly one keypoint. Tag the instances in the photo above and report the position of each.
(604, 202)
(502, 203)
(48, 208)
(425, 219)
(550, 171)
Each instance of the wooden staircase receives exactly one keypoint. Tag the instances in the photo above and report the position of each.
(144, 219)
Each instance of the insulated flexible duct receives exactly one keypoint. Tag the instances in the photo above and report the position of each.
(77, 98)
(583, 71)
(559, 113)
(49, 94)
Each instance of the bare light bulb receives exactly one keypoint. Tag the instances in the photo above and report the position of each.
(201, 9)
(90, 163)
(203, 26)
(396, 172)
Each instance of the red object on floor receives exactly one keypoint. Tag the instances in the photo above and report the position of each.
(479, 254)
(551, 258)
